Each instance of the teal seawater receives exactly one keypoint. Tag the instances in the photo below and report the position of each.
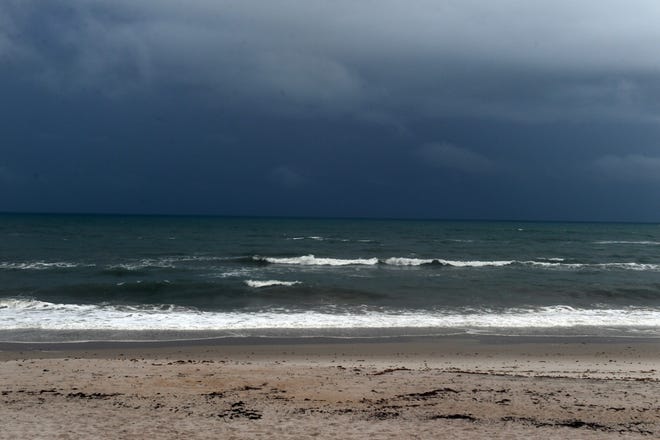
(191, 273)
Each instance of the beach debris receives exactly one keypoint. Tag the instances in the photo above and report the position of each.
(389, 370)
(91, 396)
(238, 410)
(572, 423)
(427, 394)
(454, 417)
(384, 415)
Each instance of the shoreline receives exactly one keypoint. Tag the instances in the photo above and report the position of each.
(68, 336)
(438, 343)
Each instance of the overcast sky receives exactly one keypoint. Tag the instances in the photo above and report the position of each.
(370, 108)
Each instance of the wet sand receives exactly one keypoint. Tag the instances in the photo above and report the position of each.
(447, 387)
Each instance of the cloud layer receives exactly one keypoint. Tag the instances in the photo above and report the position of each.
(425, 108)
(449, 156)
(632, 167)
(530, 61)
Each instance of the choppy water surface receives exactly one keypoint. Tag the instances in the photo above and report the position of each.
(305, 276)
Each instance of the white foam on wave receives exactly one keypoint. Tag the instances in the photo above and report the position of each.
(30, 314)
(581, 266)
(605, 266)
(41, 265)
(402, 261)
(269, 283)
(556, 263)
(140, 265)
(630, 266)
(164, 262)
(320, 238)
(311, 237)
(477, 263)
(311, 260)
(242, 272)
(552, 264)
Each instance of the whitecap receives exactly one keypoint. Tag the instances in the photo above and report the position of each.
(606, 266)
(631, 266)
(269, 283)
(403, 261)
(477, 263)
(40, 265)
(34, 314)
(164, 262)
(311, 260)
(311, 237)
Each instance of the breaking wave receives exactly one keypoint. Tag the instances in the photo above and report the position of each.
(397, 261)
(269, 283)
(311, 260)
(33, 314)
(557, 263)
(41, 265)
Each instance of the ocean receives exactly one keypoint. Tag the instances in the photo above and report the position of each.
(85, 277)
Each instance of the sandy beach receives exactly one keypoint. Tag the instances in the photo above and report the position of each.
(405, 388)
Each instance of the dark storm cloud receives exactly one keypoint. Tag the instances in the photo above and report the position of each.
(286, 177)
(514, 60)
(376, 108)
(632, 167)
(7, 176)
(446, 155)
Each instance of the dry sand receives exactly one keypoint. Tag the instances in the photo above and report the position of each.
(416, 388)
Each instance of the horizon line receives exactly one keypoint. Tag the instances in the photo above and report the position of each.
(314, 217)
